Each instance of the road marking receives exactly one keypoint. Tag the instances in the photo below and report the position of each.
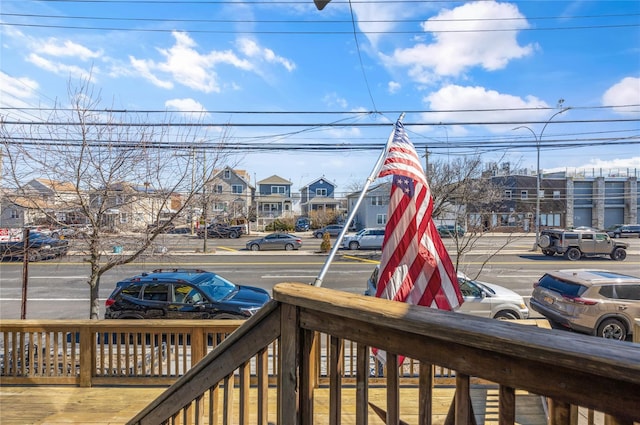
(227, 248)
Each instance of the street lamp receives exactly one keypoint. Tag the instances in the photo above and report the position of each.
(538, 139)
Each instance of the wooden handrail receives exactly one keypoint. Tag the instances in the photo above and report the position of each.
(283, 341)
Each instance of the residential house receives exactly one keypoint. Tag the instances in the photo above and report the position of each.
(319, 195)
(273, 200)
(127, 206)
(41, 201)
(373, 208)
(232, 196)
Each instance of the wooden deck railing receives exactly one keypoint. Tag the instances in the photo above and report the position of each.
(320, 338)
(568, 369)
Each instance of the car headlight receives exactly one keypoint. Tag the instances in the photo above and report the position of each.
(250, 311)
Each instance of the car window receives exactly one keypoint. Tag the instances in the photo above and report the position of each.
(621, 292)
(180, 292)
(560, 286)
(469, 289)
(216, 287)
(155, 292)
(601, 237)
(132, 290)
(586, 236)
(571, 236)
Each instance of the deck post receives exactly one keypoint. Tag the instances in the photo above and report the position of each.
(288, 408)
(87, 355)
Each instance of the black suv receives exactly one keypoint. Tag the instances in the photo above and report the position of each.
(221, 230)
(625, 231)
(183, 294)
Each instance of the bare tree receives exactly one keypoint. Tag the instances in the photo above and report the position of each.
(463, 193)
(123, 173)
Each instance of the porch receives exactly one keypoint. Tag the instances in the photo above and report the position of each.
(306, 358)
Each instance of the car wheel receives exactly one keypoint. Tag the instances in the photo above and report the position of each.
(354, 245)
(612, 329)
(55, 235)
(233, 235)
(616, 235)
(544, 241)
(288, 247)
(573, 254)
(255, 247)
(548, 253)
(619, 254)
(318, 235)
(506, 315)
(33, 255)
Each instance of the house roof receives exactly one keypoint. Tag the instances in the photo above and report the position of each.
(242, 174)
(322, 200)
(54, 185)
(318, 179)
(275, 180)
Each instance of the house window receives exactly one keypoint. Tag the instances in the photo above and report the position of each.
(13, 213)
(541, 194)
(124, 218)
(381, 219)
(236, 188)
(120, 199)
(524, 194)
(227, 174)
(220, 206)
(507, 194)
(278, 189)
(218, 189)
(556, 194)
(321, 192)
(377, 200)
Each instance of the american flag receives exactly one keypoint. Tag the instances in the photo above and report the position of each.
(415, 267)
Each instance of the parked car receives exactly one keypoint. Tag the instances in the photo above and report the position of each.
(577, 244)
(625, 231)
(364, 239)
(183, 294)
(450, 230)
(333, 230)
(278, 240)
(168, 227)
(221, 230)
(40, 247)
(481, 299)
(302, 224)
(595, 302)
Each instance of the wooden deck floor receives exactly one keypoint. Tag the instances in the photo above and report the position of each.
(51, 405)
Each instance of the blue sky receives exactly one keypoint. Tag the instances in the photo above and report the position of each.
(468, 72)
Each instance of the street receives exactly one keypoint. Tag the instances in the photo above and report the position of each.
(57, 289)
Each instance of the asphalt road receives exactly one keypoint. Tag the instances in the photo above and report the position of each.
(57, 289)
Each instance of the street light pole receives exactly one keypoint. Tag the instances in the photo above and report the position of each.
(538, 139)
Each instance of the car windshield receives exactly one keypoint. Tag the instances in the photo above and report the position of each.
(217, 287)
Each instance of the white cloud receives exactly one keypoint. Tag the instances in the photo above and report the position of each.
(251, 49)
(189, 67)
(455, 97)
(333, 100)
(625, 92)
(188, 107)
(63, 69)
(66, 48)
(16, 92)
(474, 34)
(393, 87)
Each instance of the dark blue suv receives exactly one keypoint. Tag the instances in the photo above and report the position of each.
(183, 294)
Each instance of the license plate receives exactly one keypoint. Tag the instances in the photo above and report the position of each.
(548, 300)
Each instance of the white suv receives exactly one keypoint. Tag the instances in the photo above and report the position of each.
(364, 239)
(481, 299)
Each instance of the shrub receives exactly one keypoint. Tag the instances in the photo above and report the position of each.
(325, 246)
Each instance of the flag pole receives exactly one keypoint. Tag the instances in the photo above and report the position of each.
(345, 229)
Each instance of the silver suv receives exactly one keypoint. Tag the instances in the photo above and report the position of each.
(574, 244)
(364, 239)
(596, 302)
